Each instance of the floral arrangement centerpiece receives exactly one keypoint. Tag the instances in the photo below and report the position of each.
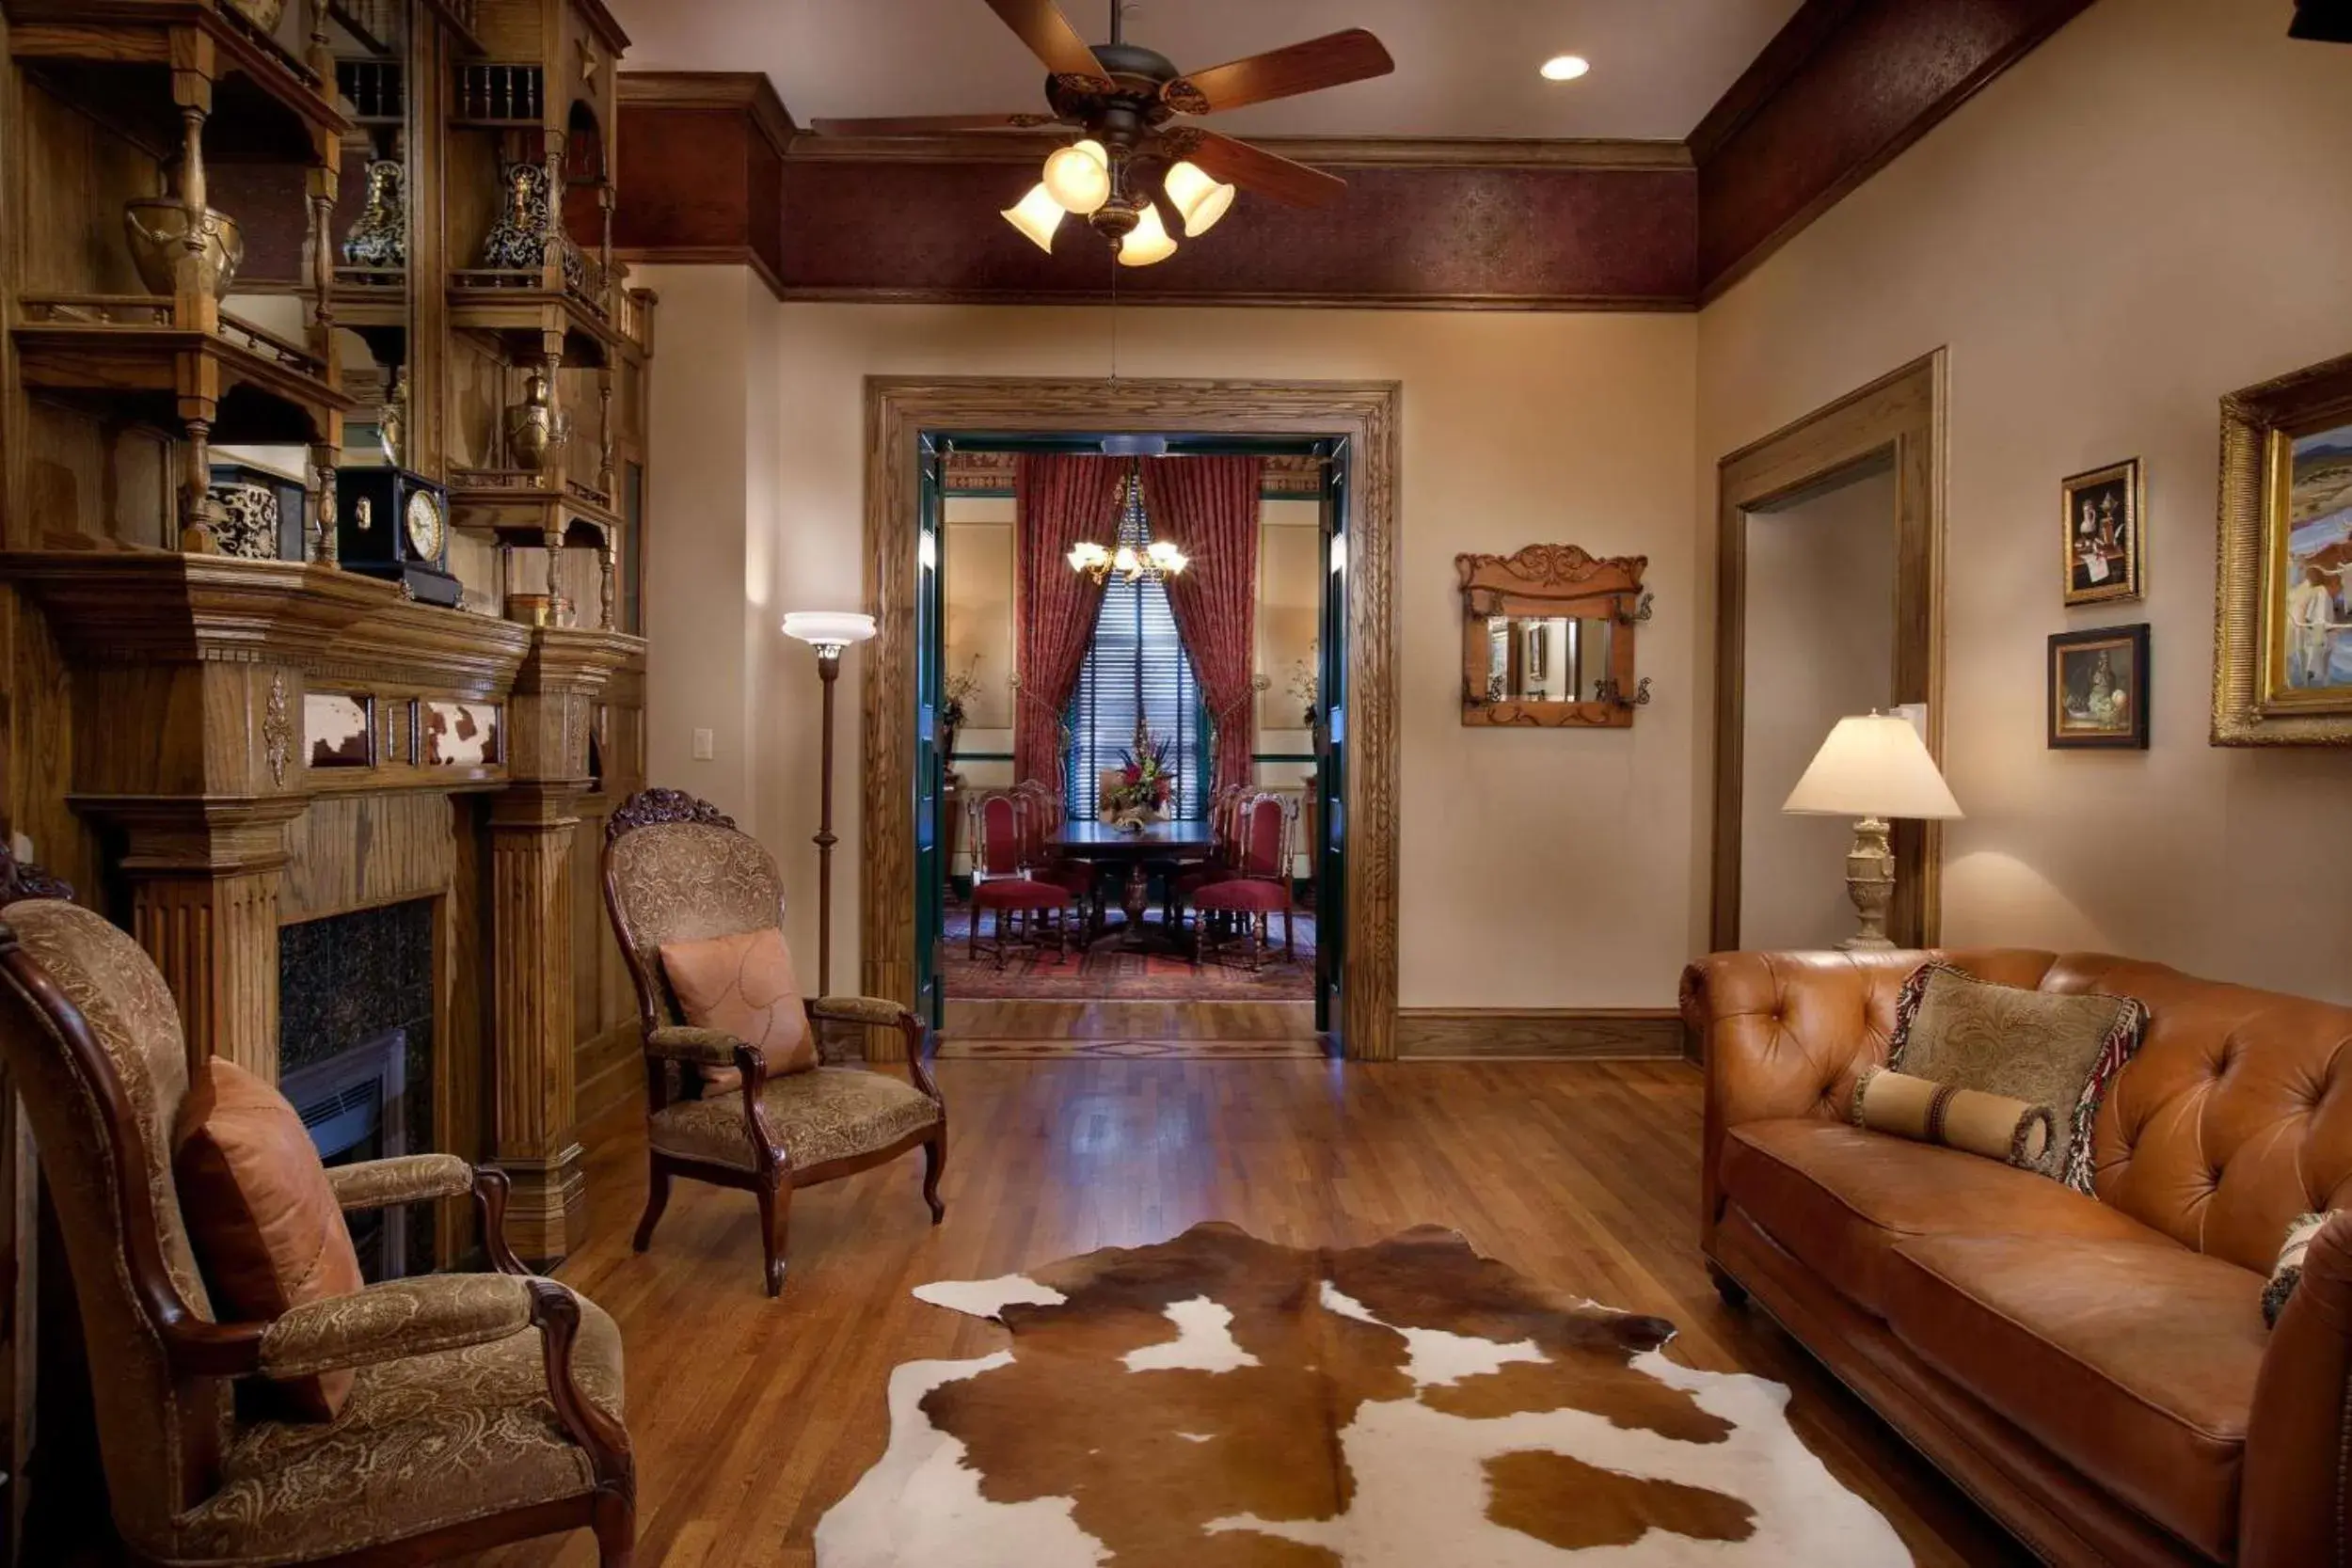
(1147, 779)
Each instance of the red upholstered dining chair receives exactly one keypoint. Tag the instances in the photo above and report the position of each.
(999, 840)
(1261, 883)
(1224, 862)
(1041, 861)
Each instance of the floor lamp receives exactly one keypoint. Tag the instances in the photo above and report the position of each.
(828, 631)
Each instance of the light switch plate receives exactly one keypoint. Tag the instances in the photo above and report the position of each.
(706, 746)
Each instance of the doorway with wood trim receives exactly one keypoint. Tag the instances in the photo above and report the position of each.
(1829, 602)
(913, 428)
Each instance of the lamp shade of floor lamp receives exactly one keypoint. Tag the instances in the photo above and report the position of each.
(1872, 767)
(828, 631)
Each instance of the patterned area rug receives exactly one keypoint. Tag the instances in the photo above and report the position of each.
(1109, 968)
(1220, 1401)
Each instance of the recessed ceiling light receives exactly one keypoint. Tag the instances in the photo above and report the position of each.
(1566, 68)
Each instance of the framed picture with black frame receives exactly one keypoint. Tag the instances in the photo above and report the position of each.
(2098, 688)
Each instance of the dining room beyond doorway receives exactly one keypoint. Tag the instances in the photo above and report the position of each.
(1131, 742)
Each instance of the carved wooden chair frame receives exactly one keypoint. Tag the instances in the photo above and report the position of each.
(772, 1176)
(201, 1351)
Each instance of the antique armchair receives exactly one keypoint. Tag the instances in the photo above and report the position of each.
(1260, 883)
(484, 1408)
(1224, 860)
(677, 870)
(1041, 862)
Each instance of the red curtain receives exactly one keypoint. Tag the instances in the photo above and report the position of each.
(1059, 502)
(1208, 508)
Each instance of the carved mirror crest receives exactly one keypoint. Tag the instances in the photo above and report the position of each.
(1548, 637)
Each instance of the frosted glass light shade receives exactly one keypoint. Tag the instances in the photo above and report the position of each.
(1037, 215)
(1088, 556)
(1151, 241)
(1873, 766)
(828, 629)
(1198, 199)
(1078, 176)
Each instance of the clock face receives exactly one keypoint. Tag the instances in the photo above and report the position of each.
(424, 525)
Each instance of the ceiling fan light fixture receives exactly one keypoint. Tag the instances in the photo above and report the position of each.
(1079, 177)
(1037, 215)
(1199, 200)
(1566, 68)
(1150, 242)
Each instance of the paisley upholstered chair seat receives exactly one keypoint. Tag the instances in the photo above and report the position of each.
(831, 1114)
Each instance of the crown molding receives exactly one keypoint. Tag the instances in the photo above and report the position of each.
(747, 92)
(1026, 146)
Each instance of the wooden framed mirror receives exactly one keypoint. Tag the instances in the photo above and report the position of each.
(1548, 638)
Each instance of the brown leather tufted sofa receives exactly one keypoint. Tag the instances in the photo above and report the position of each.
(2096, 1374)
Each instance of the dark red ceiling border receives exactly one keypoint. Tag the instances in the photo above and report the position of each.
(712, 170)
(1836, 97)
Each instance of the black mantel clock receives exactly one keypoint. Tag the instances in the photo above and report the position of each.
(395, 525)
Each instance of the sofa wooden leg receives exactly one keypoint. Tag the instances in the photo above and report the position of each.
(775, 1223)
(1734, 1293)
(934, 1163)
(657, 1199)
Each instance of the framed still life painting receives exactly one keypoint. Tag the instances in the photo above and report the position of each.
(2101, 534)
(2283, 629)
(2099, 688)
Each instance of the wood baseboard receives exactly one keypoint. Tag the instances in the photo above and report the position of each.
(1434, 1034)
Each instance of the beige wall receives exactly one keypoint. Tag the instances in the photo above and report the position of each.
(2145, 213)
(1820, 645)
(1540, 868)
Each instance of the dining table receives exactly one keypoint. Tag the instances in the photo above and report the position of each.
(1137, 850)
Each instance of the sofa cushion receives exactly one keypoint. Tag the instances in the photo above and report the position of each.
(2131, 1361)
(1840, 1197)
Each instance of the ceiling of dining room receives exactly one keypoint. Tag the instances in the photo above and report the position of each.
(1465, 68)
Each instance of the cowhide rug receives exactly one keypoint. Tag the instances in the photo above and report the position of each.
(1219, 1401)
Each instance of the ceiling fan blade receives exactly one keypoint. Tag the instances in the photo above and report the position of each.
(1253, 168)
(927, 125)
(1050, 38)
(1329, 62)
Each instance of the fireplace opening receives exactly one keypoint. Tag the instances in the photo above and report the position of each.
(356, 1035)
(355, 1106)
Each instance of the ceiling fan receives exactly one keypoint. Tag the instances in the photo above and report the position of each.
(1126, 99)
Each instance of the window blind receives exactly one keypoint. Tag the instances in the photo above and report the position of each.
(1135, 665)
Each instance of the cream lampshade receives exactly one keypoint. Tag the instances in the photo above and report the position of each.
(1198, 199)
(1038, 216)
(1151, 241)
(1872, 767)
(832, 629)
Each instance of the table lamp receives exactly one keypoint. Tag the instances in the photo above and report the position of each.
(828, 631)
(1872, 767)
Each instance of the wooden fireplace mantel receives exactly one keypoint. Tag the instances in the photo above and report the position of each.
(192, 675)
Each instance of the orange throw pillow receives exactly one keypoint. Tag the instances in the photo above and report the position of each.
(744, 985)
(264, 1223)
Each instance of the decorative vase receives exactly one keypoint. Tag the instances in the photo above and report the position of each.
(392, 422)
(246, 520)
(537, 429)
(158, 227)
(519, 241)
(379, 240)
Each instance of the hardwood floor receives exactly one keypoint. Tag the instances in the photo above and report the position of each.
(753, 1418)
(1004, 1030)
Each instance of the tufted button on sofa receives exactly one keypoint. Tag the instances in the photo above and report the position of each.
(2096, 1372)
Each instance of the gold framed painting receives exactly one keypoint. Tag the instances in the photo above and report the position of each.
(2100, 534)
(2283, 622)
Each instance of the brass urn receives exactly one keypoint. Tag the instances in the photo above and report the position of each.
(537, 429)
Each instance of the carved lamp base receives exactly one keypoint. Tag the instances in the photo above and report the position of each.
(1870, 884)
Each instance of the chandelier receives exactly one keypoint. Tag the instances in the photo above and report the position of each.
(1156, 560)
(1111, 190)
